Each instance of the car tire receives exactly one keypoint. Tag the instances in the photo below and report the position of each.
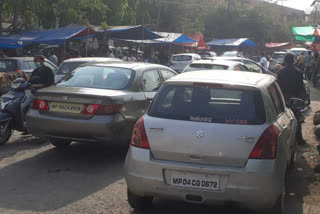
(6, 136)
(60, 143)
(139, 203)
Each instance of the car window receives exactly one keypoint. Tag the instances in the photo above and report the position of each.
(67, 67)
(48, 64)
(253, 67)
(7, 65)
(200, 103)
(98, 77)
(151, 81)
(182, 58)
(243, 68)
(31, 65)
(203, 66)
(167, 74)
(280, 95)
(276, 99)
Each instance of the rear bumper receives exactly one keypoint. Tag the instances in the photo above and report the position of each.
(257, 186)
(97, 129)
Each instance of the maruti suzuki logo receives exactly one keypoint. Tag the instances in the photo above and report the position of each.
(199, 134)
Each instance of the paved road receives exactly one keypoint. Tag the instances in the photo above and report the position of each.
(88, 178)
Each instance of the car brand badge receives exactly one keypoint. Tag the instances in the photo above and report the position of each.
(65, 98)
(249, 140)
(199, 134)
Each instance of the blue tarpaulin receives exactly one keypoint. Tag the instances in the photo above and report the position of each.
(166, 38)
(52, 37)
(243, 42)
(130, 33)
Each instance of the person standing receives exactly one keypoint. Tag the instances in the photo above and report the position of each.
(307, 65)
(264, 61)
(53, 58)
(301, 62)
(291, 83)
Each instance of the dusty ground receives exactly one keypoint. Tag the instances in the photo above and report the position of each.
(36, 178)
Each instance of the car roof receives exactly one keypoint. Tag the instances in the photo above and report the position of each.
(22, 58)
(298, 49)
(280, 52)
(92, 59)
(232, 58)
(218, 62)
(187, 54)
(223, 77)
(125, 64)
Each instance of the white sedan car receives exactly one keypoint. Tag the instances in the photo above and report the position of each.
(214, 137)
(216, 65)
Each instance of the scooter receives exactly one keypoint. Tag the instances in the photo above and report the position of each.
(14, 106)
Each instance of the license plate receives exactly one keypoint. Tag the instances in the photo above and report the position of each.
(195, 180)
(66, 107)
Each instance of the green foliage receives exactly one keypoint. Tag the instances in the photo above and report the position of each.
(261, 23)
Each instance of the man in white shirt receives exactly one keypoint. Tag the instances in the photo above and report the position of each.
(264, 61)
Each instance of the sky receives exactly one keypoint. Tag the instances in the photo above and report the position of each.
(299, 4)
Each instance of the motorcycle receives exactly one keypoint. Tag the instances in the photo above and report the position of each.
(14, 106)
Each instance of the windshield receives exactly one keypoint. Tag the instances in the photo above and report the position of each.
(230, 54)
(204, 55)
(67, 67)
(7, 65)
(198, 66)
(206, 104)
(98, 77)
(182, 58)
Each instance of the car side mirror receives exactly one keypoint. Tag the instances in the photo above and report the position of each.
(297, 104)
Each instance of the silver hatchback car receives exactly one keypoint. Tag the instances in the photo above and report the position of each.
(213, 138)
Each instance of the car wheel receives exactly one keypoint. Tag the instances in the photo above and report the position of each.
(60, 143)
(5, 136)
(139, 203)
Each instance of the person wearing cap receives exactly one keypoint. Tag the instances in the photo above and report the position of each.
(291, 83)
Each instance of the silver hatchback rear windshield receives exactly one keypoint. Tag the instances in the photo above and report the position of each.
(200, 103)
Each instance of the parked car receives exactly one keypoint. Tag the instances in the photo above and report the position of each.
(232, 54)
(277, 58)
(98, 102)
(215, 65)
(69, 65)
(17, 67)
(298, 51)
(25, 64)
(252, 65)
(180, 61)
(213, 137)
(207, 55)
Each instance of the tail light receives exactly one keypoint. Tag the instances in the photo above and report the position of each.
(266, 147)
(40, 105)
(102, 109)
(18, 70)
(139, 136)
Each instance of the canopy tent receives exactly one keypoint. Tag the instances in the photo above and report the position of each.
(138, 32)
(277, 45)
(304, 34)
(52, 37)
(242, 42)
(166, 38)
